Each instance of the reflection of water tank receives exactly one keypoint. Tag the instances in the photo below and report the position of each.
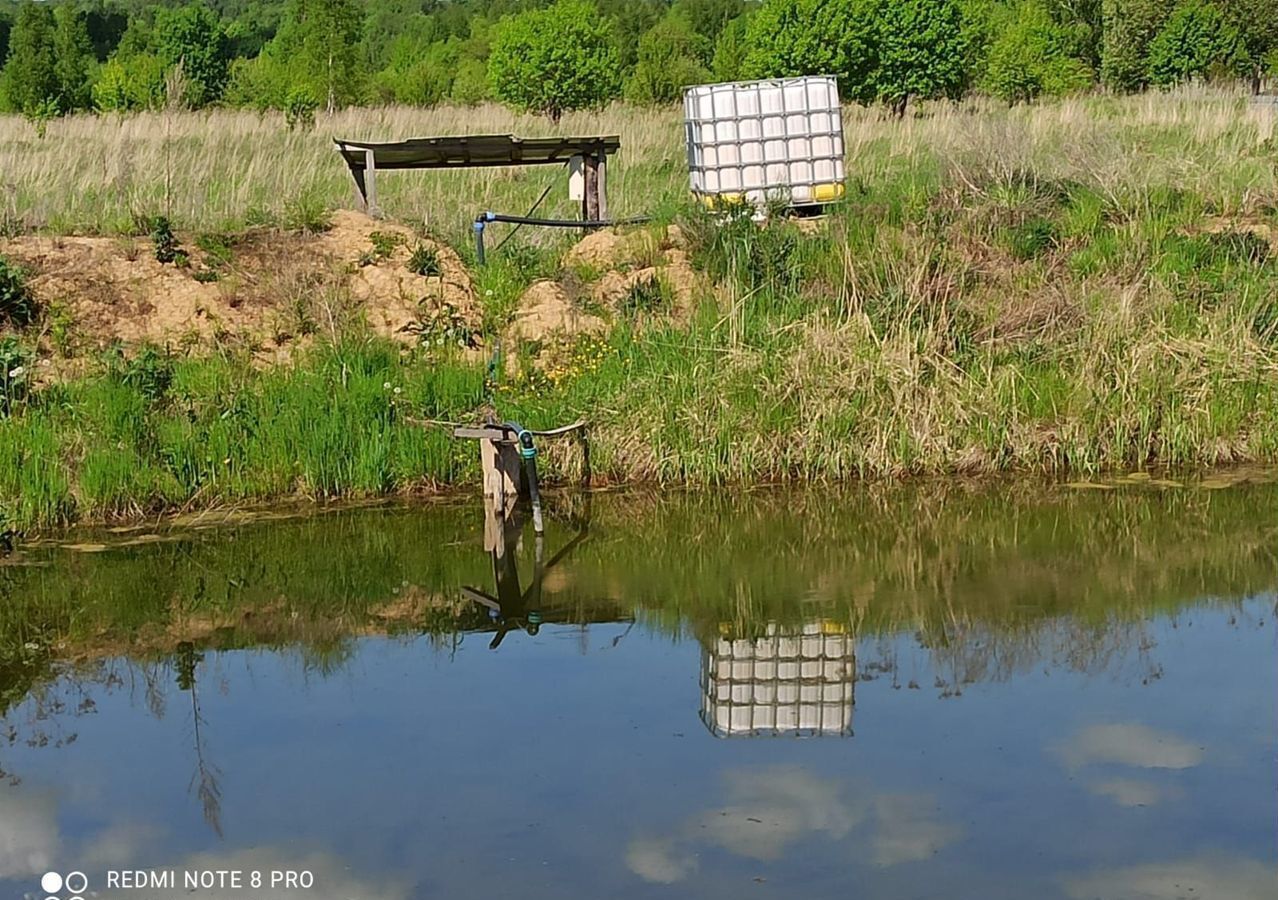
(790, 681)
(760, 140)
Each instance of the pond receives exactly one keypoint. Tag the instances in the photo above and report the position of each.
(955, 690)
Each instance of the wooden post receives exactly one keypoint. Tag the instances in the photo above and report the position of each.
(590, 205)
(602, 186)
(501, 467)
(370, 190)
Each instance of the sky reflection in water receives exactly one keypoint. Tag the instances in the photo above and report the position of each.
(1115, 736)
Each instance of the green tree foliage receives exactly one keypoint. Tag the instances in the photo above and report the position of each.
(417, 74)
(1128, 28)
(129, 83)
(816, 37)
(107, 23)
(317, 48)
(74, 60)
(6, 25)
(1031, 57)
(729, 60)
(1081, 21)
(708, 18)
(553, 60)
(1257, 24)
(922, 51)
(1196, 42)
(470, 82)
(669, 60)
(192, 35)
(30, 78)
(420, 52)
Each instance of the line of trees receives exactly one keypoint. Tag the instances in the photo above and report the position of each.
(61, 56)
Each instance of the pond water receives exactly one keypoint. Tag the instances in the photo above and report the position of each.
(995, 691)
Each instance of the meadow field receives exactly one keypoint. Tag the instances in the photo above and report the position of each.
(1081, 286)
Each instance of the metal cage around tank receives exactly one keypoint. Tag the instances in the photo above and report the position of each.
(759, 142)
(788, 681)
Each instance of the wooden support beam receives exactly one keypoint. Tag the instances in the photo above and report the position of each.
(370, 177)
(502, 471)
(602, 187)
(590, 210)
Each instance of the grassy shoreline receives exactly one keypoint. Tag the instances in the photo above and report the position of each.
(1074, 288)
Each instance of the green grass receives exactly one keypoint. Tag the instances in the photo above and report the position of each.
(1047, 289)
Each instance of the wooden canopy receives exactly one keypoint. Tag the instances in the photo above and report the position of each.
(469, 151)
(364, 158)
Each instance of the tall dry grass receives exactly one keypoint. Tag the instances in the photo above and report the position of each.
(223, 168)
(1076, 287)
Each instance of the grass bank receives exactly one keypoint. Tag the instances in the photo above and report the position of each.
(1079, 287)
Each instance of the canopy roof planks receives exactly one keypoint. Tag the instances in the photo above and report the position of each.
(364, 158)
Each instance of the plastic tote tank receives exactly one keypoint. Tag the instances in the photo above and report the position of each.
(761, 141)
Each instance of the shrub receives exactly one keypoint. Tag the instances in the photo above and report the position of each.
(669, 61)
(1128, 26)
(816, 37)
(922, 51)
(729, 61)
(1031, 57)
(125, 85)
(441, 326)
(162, 237)
(192, 35)
(1196, 42)
(299, 109)
(17, 303)
(553, 60)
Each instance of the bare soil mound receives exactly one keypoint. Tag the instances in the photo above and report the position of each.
(546, 310)
(266, 287)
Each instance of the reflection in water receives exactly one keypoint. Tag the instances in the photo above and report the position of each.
(773, 810)
(514, 608)
(205, 779)
(788, 681)
(1129, 744)
(1031, 673)
(1217, 877)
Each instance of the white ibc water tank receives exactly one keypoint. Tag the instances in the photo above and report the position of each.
(788, 681)
(761, 141)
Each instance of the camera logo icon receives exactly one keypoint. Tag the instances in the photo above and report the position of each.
(75, 883)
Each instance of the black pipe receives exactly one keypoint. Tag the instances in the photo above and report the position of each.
(528, 453)
(480, 223)
(561, 223)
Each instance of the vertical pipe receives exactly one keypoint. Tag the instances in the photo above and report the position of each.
(479, 241)
(529, 454)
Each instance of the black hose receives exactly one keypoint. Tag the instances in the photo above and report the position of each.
(562, 223)
(528, 453)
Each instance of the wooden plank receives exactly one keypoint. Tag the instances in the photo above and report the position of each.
(484, 433)
(500, 464)
(370, 176)
(590, 209)
(603, 188)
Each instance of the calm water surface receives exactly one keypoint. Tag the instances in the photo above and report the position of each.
(909, 692)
